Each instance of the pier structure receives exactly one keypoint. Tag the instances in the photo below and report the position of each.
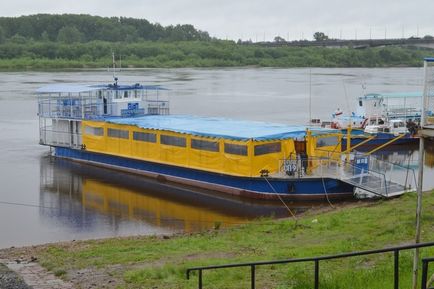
(426, 131)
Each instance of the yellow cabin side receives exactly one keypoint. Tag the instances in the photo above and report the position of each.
(233, 157)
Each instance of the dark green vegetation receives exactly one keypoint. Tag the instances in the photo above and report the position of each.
(83, 41)
(154, 262)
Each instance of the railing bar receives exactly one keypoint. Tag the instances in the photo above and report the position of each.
(253, 276)
(316, 274)
(327, 257)
(200, 279)
(424, 273)
(396, 269)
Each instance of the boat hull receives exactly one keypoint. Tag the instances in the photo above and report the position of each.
(381, 139)
(251, 187)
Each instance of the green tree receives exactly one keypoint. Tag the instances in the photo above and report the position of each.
(279, 39)
(320, 36)
(44, 36)
(69, 34)
(2, 35)
(18, 39)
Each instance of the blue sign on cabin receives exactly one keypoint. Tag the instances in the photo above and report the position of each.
(361, 164)
(133, 105)
(132, 110)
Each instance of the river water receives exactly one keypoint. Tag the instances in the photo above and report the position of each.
(46, 200)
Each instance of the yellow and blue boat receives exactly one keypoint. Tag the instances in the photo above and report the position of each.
(129, 128)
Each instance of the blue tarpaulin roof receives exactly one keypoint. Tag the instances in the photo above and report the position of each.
(219, 127)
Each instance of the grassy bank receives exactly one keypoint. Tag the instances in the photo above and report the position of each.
(157, 262)
(97, 54)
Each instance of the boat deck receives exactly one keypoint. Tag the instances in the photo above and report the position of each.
(377, 183)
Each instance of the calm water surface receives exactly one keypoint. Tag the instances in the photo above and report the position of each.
(45, 200)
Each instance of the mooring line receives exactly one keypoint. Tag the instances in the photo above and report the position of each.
(280, 198)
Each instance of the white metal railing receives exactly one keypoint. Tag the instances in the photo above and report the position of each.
(48, 136)
(72, 108)
(374, 175)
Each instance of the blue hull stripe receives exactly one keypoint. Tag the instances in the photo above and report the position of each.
(291, 187)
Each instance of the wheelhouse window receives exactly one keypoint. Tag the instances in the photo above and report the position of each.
(144, 136)
(91, 130)
(137, 93)
(173, 140)
(269, 148)
(117, 133)
(117, 94)
(211, 146)
(236, 149)
(327, 141)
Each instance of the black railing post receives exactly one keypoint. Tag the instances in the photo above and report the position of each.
(200, 279)
(188, 274)
(252, 276)
(396, 270)
(316, 274)
(424, 273)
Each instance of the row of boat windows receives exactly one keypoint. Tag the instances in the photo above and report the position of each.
(211, 146)
(119, 94)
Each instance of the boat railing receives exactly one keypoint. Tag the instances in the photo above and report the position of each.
(358, 170)
(75, 108)
(393, 172)
(52, 137)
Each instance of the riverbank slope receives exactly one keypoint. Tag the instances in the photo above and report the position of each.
(160, 262)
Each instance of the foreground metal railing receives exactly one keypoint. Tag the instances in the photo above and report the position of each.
(316, 262)
(425, 263)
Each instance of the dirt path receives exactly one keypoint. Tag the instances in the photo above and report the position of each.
(21, 274)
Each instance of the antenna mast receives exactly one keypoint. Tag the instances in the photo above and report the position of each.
(114, 69)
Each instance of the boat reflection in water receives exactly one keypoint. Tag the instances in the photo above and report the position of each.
(84, 197)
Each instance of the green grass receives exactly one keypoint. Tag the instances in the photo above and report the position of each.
(154, 262)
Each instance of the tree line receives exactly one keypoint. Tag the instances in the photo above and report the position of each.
(71, 28)
(80, 41)
(213, 53)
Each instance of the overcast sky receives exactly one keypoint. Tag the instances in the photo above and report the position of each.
(256, 19)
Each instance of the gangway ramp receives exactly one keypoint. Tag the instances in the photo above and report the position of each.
(376, 185)
(377, 177)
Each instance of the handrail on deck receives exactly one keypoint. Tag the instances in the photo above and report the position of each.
(316, 261)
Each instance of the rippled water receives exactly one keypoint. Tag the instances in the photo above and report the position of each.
(44, 200)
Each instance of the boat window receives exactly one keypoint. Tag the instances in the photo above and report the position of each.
(173, 140)
(268, 148)
(126, 94)
(396, 124)
(94, 130)
(136, 94)
(117, 94)
(205, 145)
(327, 141)
(117, 133)
(144, 136)
(360, 103)
(235, 149)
